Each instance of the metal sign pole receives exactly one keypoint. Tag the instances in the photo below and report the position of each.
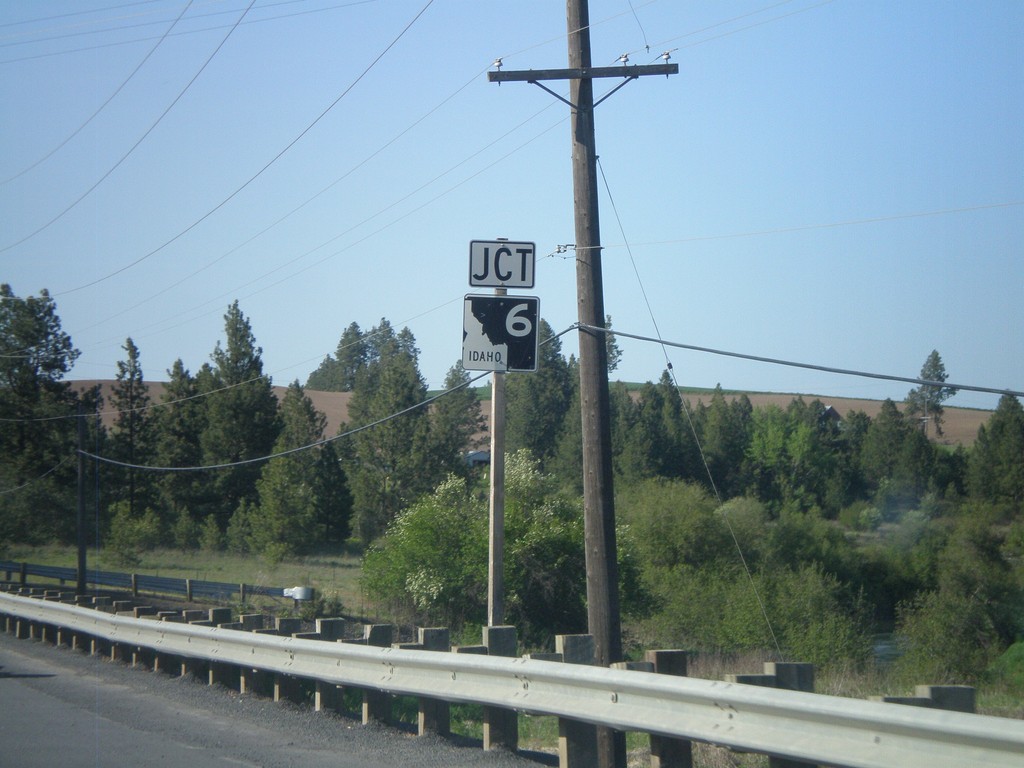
(496, 530)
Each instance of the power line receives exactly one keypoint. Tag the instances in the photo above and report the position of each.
(689, 420)
(102, 106)
(100, 46)
(350, 229)
(50, 471)
(318, 443)
(130, 150)
(813, 367)
(70, 14)
(260, 172)
(290, 451)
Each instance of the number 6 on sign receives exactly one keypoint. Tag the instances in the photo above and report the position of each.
(499, 333)
(518, 321)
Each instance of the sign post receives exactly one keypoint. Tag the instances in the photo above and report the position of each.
(499, 334)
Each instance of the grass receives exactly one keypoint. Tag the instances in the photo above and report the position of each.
(334, 575)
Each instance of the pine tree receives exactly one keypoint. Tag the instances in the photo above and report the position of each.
(38, 433)
(298, 492)
(387, 464)
(338, 373)
(895, 457)
(997, 461)
(538, 402)
(926, 401)
(455, 424)
(178, 425)
(131, 438)
(242, 421)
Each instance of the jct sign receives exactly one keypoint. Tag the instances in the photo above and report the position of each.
(501, 264)
(499, 333)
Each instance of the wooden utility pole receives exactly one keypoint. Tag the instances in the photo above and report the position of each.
(603, 615)
(598, 500)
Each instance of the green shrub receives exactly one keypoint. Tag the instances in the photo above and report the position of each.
(130, 535)
(945, 639)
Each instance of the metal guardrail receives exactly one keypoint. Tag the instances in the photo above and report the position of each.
(162, 584)
(801, 726)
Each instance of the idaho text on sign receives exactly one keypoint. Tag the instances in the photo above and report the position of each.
(499, 333)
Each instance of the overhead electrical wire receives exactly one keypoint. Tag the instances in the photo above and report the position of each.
(316, 444)
(34, 480)
(134, 146)
(350, 229)
(234, 291)
(182, 33)
(69, 14)
(689, 419)
(262, 170)
(739, 234)
(102, 106)
(814, 367)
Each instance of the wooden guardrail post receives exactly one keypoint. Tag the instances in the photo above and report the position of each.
(286, 687)
(787, 676)
(577, 742)
(434, 715)
(254, 681)
(501, 726)
(328, 696)
(668, 752)
(953, 698)
(377, 704)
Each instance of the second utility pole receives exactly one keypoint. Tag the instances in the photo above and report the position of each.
(598, 501)
(603, 615)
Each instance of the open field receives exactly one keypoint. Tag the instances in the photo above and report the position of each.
(960, 425)
(334, 576)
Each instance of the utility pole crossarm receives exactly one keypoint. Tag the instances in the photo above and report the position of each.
(580, 73)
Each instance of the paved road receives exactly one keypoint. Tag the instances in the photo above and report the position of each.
(64, 709)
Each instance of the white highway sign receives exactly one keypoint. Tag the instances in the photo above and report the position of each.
(501, 264)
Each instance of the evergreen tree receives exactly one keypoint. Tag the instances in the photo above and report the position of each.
(300, 494)
(351, 355)
(131, 438)
(926, 401)
(997, 461)
(387, 462)
(611, 346)
(538, 402)
(456, 422)
(338, 373)
(178, 426)
(38, 432)
(242, 421)
(646, 443)
(724, 428)
(895, 458)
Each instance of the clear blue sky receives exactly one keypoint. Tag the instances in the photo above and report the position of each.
(839, 183)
